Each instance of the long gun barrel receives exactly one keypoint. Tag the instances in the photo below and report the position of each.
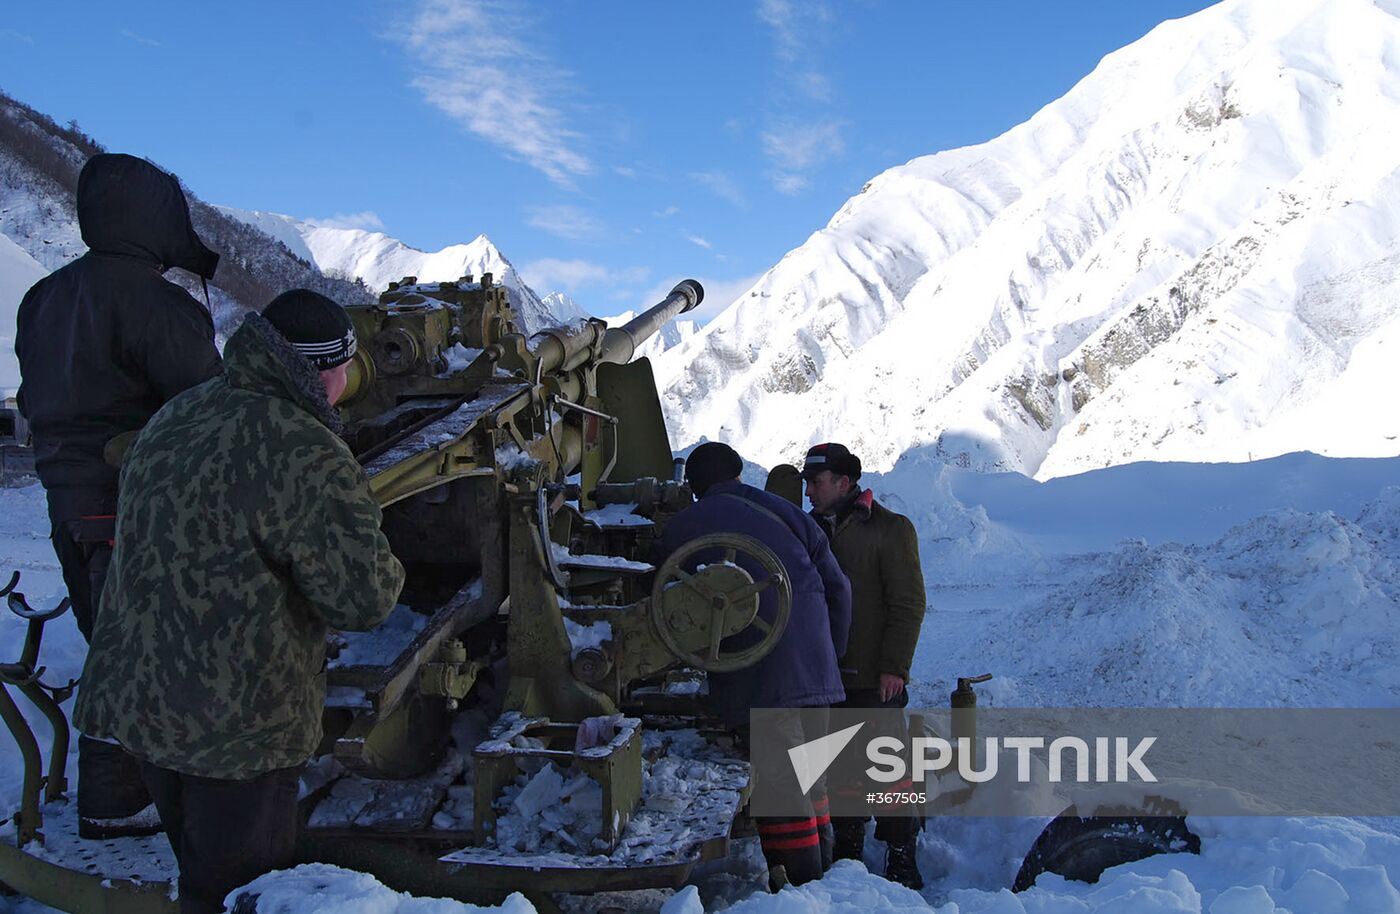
(620, 343)
(567, 348)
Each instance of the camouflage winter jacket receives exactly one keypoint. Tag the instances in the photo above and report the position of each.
(245, 528)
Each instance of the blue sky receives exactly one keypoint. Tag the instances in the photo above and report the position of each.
(608, 148)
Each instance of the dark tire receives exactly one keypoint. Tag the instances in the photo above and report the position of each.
(1082, 847)
(245, 903)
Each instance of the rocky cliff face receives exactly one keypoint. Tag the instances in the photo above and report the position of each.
(1191, 256)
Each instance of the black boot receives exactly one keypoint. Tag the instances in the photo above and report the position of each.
(901, 864)
(850, 839)
(112, 799)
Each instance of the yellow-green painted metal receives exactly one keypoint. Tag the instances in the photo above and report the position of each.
(23, 675)
(638, 438)
(616, 767)
(542, 684)
(79, 892)
(694, 611)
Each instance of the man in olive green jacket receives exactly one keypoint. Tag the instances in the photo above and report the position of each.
(245, 529)
(879, 551)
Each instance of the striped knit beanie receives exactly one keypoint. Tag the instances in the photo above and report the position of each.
(316, 327)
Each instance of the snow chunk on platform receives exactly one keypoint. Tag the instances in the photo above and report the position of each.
(383, 644)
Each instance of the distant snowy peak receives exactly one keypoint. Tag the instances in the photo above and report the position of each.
(563, 307)
(378, 259)
(1193, 255)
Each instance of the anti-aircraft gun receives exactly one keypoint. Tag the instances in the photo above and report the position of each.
(524, 481)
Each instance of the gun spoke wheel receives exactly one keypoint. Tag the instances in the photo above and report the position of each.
(757, 587)
(695, 584)
(694, 612)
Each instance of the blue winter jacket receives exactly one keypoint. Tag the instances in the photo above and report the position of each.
(801, 670)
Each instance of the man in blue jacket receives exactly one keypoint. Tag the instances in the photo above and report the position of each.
(801, 670)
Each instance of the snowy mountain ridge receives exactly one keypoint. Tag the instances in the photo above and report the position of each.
(378, 259)
(39, 166)
(1193, 255)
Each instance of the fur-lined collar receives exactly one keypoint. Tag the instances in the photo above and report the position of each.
(257, 357)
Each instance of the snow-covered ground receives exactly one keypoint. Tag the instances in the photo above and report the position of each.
(1268, 583)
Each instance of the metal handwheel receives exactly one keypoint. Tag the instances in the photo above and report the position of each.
(693, 612)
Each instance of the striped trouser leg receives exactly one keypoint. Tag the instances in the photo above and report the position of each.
(826, 836)
(792, 842)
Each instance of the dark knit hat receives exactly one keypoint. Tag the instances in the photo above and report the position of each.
(316, 327)
(833, 457)
(710, 463)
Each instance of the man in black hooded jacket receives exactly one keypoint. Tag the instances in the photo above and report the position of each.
(103, 343)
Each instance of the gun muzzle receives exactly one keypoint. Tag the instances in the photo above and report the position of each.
(620, 344)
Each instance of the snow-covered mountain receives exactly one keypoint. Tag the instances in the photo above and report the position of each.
(378, 259)
(1192, 255)
(563, 307)
(39, 165)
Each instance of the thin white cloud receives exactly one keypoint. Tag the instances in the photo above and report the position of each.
(802, 137)
(567, 222)
(140, 39)
(12, 35)
(788, 183)
(800, 30)
(369, 221)
(474, 61)
(782, 15)
(721, 185)
(796, 148)
(667, 213)
(697, 240)
(625, 171)
(814, 85)
(553, 275)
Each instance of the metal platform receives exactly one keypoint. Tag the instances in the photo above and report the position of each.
(670, 832)
(120, 876)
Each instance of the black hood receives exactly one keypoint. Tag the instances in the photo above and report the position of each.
(128, 206)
